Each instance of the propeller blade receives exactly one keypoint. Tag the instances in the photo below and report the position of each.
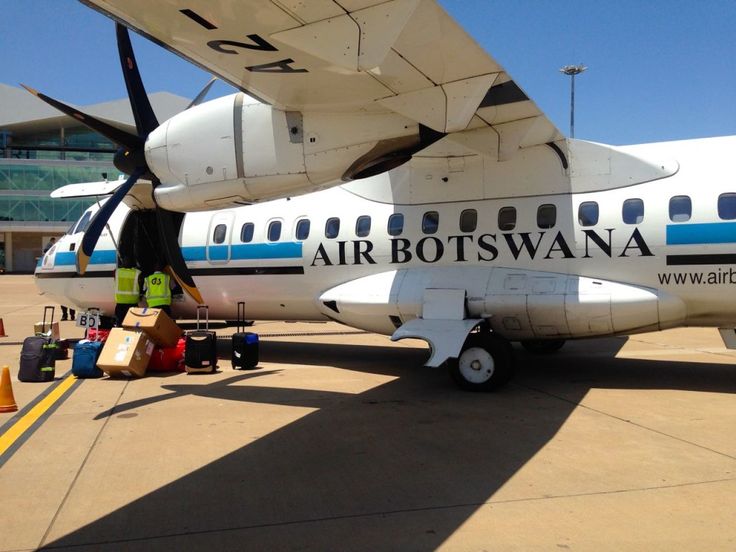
(145, 119)
(110, 132)
(98, 222)
(202, 93)
(177, 268)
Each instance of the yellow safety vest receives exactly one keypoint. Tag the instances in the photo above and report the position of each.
(158, 292)
(127, 291)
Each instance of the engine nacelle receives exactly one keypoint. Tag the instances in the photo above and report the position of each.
(226, 152)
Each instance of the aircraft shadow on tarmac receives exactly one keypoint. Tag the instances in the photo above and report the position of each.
(400, 466)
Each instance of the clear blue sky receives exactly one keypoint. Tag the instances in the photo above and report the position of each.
(658, 69)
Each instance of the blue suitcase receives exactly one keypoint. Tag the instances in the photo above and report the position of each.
(84, 359)
(245, 344)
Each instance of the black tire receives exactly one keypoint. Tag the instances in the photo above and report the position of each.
(495, 360)
(543, 346)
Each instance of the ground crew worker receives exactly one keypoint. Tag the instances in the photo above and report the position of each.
(127, 289)
(157, 288)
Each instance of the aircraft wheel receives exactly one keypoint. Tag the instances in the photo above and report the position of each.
(543, 346)
(485, 363)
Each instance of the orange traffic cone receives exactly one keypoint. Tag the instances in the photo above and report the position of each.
(7, 400)
(2, 328)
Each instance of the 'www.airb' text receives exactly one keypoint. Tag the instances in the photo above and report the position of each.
(698, 278)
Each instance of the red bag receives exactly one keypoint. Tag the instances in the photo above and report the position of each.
(94, 334)
(168, 359)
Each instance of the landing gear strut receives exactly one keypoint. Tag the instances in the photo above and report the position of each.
(486, 363)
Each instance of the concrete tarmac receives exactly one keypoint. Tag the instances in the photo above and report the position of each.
(342, 441)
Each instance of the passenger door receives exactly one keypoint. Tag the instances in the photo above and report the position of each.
(219, 236)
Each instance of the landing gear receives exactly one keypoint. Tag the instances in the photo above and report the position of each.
(543, 346)
(485, 363)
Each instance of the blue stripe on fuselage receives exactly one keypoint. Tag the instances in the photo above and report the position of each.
(705, 233)
(246, 251)
(69, 258)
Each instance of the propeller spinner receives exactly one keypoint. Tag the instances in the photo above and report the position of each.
(130, 159)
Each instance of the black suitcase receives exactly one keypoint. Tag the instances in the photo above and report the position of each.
(200, 353)
(38, 355)
(245, 344)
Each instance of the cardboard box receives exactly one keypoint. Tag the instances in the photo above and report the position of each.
(126, 353)
(39, 328)
(155, 322)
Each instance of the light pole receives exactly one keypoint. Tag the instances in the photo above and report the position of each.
(572, 70)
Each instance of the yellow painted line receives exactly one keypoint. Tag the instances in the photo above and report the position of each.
(21, 426)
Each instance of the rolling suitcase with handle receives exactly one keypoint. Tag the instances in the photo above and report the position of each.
(245, 344)
(38, 354)
(200, 352)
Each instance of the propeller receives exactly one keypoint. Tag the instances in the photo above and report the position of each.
(130, 159)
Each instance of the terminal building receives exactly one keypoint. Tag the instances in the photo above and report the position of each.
(42, 149)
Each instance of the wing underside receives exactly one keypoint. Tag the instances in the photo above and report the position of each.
(404, 56)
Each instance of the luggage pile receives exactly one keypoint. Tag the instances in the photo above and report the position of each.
(146, 333)
(200, 349)
(149, 341)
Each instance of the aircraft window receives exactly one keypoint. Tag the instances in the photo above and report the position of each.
(332, 227)
(468, 220)
(395, 224)
(546, 215)
(218, 236)
(83, 222)
(588, 213)
(302, 229)
(507, 218)
(633, 211)
(363, 226)
(274, 230)
(681, 209)
(727, 206)
(246, 232)
(430, 222)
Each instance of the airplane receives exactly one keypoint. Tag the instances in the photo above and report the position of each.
(379, 169)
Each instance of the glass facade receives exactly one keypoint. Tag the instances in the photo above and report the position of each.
(32, 166)
(33, 163)
(25, 188)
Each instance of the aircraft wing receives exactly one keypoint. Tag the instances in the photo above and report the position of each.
(403, 56)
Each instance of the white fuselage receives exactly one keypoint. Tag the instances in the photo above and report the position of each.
(570, 277)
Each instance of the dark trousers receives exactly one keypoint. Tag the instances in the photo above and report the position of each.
(121, 309)
(67, 313)
(165, 308)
